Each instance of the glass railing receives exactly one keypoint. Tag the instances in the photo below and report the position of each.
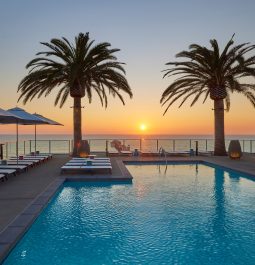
(100, 145)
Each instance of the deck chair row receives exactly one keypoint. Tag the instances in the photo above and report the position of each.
(13, 166)
(85, 164)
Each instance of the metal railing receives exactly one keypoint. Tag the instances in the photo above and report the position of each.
(101, 145)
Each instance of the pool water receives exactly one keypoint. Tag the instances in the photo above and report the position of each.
(179, 214)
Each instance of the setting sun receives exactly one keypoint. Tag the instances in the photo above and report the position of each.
(143, 127)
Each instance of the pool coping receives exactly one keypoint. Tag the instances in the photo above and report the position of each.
(22, 222)
(213, 164)
(15, 230)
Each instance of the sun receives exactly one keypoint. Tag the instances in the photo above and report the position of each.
(143, 127)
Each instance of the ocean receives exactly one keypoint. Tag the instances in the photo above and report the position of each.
(62, 143)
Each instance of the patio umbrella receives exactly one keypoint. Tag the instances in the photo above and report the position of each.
(9, 118)
(48, 122)
(25, 118)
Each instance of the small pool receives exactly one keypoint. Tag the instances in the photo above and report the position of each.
(174, 214)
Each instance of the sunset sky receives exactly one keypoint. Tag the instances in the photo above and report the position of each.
(149, 34)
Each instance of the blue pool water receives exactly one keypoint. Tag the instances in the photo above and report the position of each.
(182, 214)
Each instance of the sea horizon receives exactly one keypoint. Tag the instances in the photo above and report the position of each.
(54, 136)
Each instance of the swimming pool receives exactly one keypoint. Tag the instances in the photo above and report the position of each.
(174, 214)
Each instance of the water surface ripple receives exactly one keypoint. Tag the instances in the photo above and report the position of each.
(182, 214)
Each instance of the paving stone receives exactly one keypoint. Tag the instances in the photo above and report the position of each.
(23, 220)
(10, 235)
(42, 200)
(4, 249)
(33, 209)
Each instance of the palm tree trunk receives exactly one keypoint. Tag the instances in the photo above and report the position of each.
(219, 142)
(77, 134)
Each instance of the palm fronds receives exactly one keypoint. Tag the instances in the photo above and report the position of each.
(209, 72)
(78, 69)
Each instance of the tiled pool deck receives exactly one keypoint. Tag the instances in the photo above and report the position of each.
(24, 196)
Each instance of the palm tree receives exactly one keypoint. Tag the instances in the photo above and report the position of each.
(209, 72)
(77, 70)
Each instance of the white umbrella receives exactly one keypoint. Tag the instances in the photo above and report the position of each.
(49, 121)
(8, 118)
(25, 118)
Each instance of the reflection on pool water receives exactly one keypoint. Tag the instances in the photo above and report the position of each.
(179, 214)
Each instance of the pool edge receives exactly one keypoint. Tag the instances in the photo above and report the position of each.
(15, 230)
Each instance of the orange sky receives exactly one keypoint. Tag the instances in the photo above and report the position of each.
(147, 41)
(142, 109)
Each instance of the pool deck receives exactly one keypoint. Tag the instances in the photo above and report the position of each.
(246, 164)
(23, 197)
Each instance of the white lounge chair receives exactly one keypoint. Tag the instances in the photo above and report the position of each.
(112, 151)
(42, 158)
(33, 158)
(149, 153)
(34, 161)
(17, 167)
(21, 162)
(89, 161)
(94, 159)
(85, 163)
(126, 153)
(177, 153)
(7, 172)
(205, 153)
(48, 155)
(74, 169)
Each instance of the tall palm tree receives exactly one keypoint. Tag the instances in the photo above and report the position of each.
(77, 70)
(209, 72)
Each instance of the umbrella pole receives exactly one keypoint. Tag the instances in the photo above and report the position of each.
(17, 142)
(35, 139)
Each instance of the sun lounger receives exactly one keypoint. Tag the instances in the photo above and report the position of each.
(32, 158)
(49, 156)
(178, 153)
(25, 161)
(205, 153)
(43, 158)
(85, 163)
(21, 162)
(126, 153)
(17, 167)
(34, 161)
(91, 156)
(121, 149)
(149, 153)
(75, 169)
(89, 160)
(94, 159)
(7, 172)
(26, 158)
(112, 151)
